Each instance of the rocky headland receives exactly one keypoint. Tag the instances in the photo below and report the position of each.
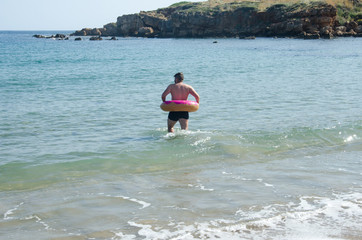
(233, 19)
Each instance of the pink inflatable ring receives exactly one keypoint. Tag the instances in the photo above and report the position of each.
(180, 106)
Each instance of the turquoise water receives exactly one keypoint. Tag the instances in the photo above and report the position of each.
(274, 152)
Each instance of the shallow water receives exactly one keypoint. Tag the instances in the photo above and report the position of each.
(274, 152)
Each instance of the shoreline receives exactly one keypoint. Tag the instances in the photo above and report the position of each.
(214, 39)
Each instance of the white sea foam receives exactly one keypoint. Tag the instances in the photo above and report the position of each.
(40, 221)
(201, 141)
(309, 218)
(350, 138)
(144, 204)
(11, 211)
(260, 180)
(265, 184)
(201, 187)
(32, 217)
(120, 235)
(182, 133)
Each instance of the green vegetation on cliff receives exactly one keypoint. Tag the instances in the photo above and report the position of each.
(347, 13)
(210, 6)
(348, 10)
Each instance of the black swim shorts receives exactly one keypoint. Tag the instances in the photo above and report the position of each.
(175, 116)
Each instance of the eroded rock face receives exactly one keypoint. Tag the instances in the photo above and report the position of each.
(359, 29)
(128, 25)
(145, 32)
(300, 20)
(278, 20)
(109, 29)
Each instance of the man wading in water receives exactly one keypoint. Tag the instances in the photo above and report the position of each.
(179, 91)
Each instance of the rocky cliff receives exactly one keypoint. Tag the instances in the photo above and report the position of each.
(195, 20)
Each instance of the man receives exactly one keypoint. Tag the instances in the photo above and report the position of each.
(179, 91)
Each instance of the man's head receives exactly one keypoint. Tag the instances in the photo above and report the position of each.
(179, 77)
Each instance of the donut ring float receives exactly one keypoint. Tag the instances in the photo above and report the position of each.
(180, 106)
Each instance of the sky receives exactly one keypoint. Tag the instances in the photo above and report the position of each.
(70, 14)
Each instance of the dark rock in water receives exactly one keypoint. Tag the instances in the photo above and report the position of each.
(214, 42)
(78, 39)
(113, 38)
(97, 38)
(38, 36)
(57, 36)
(248, 38)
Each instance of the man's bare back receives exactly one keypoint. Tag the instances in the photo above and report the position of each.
(179, 91)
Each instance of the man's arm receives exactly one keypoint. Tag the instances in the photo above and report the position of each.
(165, 93)
(194, 93)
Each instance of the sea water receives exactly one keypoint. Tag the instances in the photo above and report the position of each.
(274, 152)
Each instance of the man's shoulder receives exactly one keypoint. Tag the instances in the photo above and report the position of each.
(186, 85)
(189, 87)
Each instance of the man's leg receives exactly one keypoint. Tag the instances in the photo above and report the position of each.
(170, 125)
(184, 123)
